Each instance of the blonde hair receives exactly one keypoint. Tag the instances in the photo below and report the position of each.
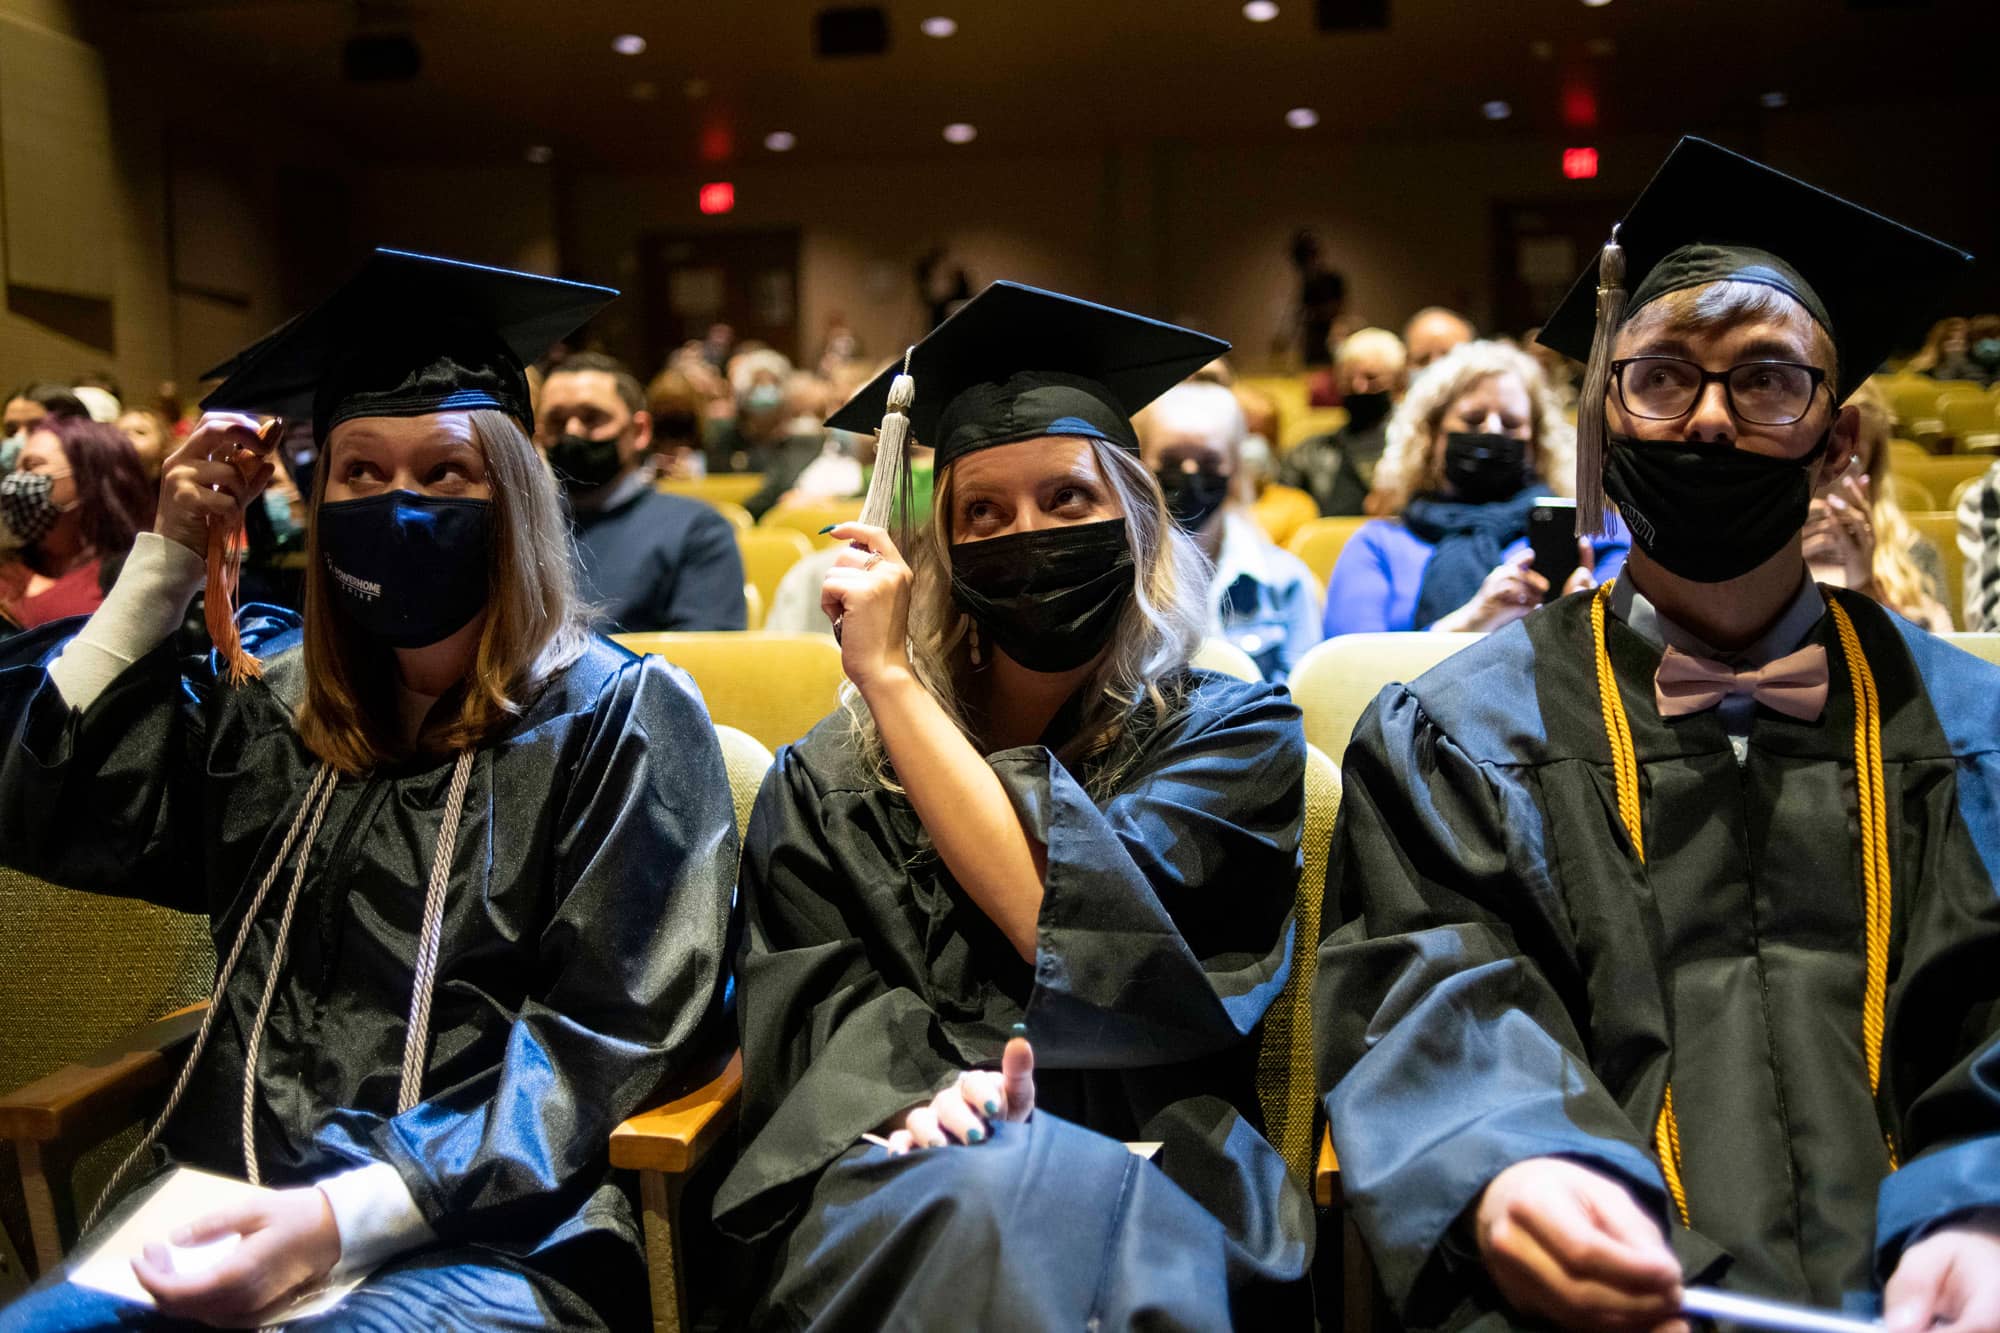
(1150, 645)
(1372, 341)
(535, 624)
(1900, 583)
(1411, 463)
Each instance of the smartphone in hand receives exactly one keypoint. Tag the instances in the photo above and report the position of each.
(1552, 537)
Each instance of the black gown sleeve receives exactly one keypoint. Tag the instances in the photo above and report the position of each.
(1448, 1053)
(1165, 924)
(110, 798)
(630, 971)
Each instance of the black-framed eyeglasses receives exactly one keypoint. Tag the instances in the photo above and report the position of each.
(1763, 393)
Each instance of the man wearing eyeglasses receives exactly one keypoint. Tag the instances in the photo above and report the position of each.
(1663, 934)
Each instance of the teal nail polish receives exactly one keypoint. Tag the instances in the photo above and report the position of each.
(993, 1108)
(1020, 1029)
(974, 1135)
(828, 528)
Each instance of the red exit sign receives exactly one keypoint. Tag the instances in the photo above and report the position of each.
(717, 197)
(1579, 164)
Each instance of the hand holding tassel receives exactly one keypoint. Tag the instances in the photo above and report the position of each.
(204, 487)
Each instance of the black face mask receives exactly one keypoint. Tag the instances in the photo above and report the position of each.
(1366, 410)
(407, 569)
(581, 463)
(1708, 512)
(1482, 468)
(1192, 497)
(1049, 598)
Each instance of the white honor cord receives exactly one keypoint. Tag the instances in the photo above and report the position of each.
(1753, 1312)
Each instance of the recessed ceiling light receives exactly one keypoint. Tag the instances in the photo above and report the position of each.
(541, 154)
(1771, 101)
(629, 44)
(1302, 118)
(1260, 11)
(780, 141)
(939, 26)
(1596, 4)
(960, 132)
(1496, 110)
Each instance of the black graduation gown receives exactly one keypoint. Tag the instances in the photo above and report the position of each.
(1507, 981)
(868, 981)
(583, 952)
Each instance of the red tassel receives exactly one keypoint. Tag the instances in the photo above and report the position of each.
(224, 566)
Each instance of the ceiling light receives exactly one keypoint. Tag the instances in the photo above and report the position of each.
(541, 154)
(1260, 11)
(939, 26)
(1771, 101)
(1496, 110)
(960, 132)
(629, 44)
(780, 141)
(1302, 118)
(1596, 4)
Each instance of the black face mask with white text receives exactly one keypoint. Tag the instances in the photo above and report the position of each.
(1048, 598)
(407, 569)
(1708, 513)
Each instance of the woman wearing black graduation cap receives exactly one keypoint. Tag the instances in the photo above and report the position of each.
(1028, 895)
(442, 981)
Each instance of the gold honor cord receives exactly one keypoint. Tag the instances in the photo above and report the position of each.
(1872, 801)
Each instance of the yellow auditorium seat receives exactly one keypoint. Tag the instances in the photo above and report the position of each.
(1902, 453)
(809, 519)
(1320, 542)
(1283, 510)
(727, 487)
(1941, 530)
(1983, 646)
(753, 607)
(1337, 680)
(774, 686)
(1970, 421)
(1941, 473)
(1221, 655)
(1912, 399)
(1303, 425)
(768, 553)
(1911, 494)
(739, 517)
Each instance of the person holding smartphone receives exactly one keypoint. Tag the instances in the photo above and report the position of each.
(1477, 440)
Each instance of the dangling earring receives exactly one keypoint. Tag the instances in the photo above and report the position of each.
(977, 662)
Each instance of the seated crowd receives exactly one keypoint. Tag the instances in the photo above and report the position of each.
(1659, 925)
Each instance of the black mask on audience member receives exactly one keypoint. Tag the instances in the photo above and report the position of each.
(1708, 512)
(407, 569)
(28, 505)
(1366, 410)
(581, 463)
(1192, 497)
(1048, 598)
(1482, 468)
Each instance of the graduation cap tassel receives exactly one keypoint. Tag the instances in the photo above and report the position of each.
(1591, 435)
(224, 568)
(888, 484)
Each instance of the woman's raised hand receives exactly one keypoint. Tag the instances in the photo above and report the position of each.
(1509, 592)
(218, 470)
(867, 597)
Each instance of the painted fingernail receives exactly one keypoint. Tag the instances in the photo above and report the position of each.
(992, 1108)
(828, 528)
(974, 1135)
(1020, 1029)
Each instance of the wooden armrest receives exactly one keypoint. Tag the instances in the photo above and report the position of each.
(100, 1089)
(1326, 1175)
(673, 1138)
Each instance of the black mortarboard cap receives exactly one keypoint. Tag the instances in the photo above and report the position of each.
(408, 334)
(1017, 362)
(1711, 215)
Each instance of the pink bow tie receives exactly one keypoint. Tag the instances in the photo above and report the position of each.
(1794, 685)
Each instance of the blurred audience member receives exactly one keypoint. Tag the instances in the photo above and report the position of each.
(795, 606)
(718, 345)
(1983, 348)
(100, 396)
(1432, 332)
(73, 505)
(26, 406)
(776, 429)
(1857, 537)
(1943, 354)
(1322, 295)
(676, 405)
(1262, 599)
(1263, 423)
(1558, 371)
(1979, 544)
(1218, 371)
(150, 435)
(838, 346)
(1338, 468)
(649, 561)
(1475, 441)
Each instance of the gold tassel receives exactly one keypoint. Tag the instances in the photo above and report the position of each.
(1591, 434)
(888, 484)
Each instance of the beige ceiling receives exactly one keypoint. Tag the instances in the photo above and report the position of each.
(1041, 75)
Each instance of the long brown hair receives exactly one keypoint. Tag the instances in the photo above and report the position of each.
(535, 624)
(114, 499)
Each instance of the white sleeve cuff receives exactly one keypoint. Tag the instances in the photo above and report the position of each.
(145, 605)
(376, 1216)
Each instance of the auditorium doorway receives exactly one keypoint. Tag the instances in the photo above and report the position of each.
(1539, 247)
(748, 280)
